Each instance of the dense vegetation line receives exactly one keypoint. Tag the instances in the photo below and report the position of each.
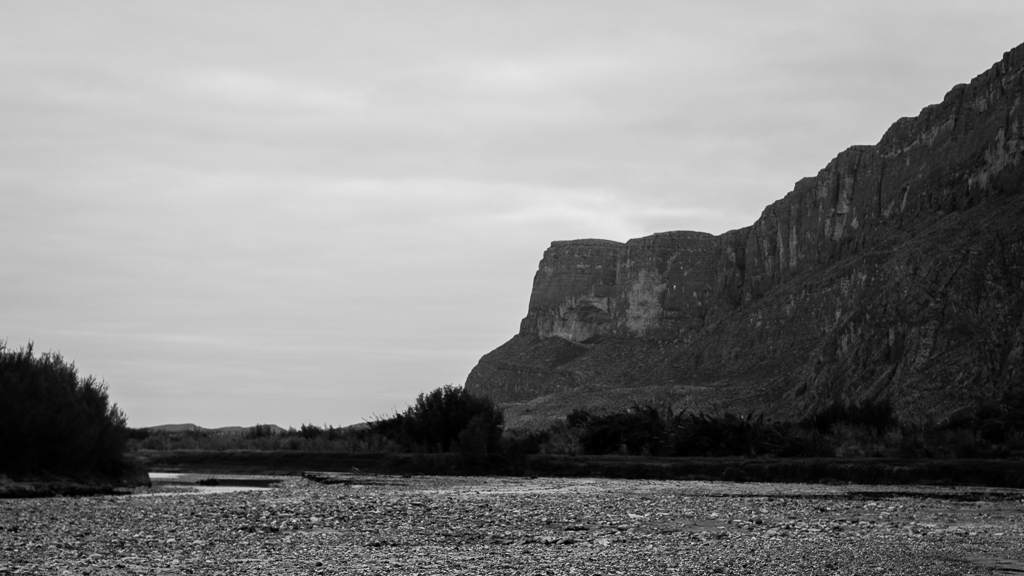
(450, 420)
(55, 423)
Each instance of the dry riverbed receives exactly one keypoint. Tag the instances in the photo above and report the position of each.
(435, 525)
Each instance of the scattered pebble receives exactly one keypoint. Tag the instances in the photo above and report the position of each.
(452, 525)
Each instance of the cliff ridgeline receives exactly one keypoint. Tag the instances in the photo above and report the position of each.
(896, 273)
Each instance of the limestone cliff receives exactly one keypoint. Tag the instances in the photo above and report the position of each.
(897, 271)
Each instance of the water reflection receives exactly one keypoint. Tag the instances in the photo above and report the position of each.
(175, 483)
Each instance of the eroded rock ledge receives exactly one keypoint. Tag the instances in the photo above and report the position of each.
(896, 271)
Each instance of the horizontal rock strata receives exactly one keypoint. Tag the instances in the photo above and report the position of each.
(897, 271)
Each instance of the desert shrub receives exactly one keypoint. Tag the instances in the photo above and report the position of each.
(53, 421)
(438, 418)
(307, 438)
(797, 442)
(578, 418)
(993, 429)
(560, 438)
(524, 442)
(311, 432)
(656, 431)
(733, 435)
(995, 422)
(860, 430)
(260, 431)
(877, 415)
(858, 441)
(639, 430)
(703, 435)
(475, 440)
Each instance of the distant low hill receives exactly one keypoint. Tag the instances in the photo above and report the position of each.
(177, 428)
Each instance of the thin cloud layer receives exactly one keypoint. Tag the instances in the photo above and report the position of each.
(262, 212)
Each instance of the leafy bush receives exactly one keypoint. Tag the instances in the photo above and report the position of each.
(877, 415)
(516, 443)
(578, 418)
(639, 430)
(654, 431)
(53, 421)
(308, 438)
(311, 431)
(997, 422)
(726, 435)
(438, 420)
(260, 431)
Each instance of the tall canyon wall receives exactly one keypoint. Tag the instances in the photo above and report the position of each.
(897, 271)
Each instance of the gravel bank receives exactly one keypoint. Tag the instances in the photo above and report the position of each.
(434, 525)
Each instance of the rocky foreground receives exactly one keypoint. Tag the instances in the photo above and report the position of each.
(432, 525)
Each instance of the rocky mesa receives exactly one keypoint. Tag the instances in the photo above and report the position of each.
(896, 272)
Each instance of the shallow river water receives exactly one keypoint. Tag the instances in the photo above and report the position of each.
(176, 483)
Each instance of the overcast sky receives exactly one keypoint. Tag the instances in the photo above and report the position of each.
(290, 212)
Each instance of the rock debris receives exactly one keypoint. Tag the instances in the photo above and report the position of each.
(444, 525)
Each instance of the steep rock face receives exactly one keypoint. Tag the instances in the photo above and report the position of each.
(896, 271)
(667, 286)
(573, 290)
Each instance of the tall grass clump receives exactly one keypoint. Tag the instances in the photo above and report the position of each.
(54, 422)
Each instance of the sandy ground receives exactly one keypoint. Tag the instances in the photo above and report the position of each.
(432, 525)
